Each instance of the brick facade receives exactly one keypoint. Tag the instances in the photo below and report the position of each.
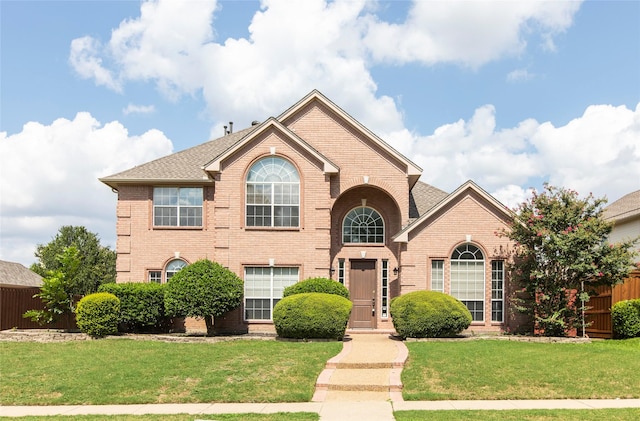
(315, 137)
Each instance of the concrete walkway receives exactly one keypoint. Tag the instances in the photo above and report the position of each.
(363, 381)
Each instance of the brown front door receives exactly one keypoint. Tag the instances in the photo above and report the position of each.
(362, 288)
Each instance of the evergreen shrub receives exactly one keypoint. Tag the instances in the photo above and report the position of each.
(325, 285)
(141, 306)
(97, 314)
(429, 314)
(625, 317)
(312, 315)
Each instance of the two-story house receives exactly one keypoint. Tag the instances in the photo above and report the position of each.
(312, 193)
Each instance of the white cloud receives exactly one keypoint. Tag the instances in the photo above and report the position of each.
(295, 47)
(468, 33)
(598, 152)
(138, 109)
(50, 178)
(520, 75)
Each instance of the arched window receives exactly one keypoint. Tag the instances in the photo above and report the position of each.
(173, 267)
(467, 278)
(363, 225)
(273, 194)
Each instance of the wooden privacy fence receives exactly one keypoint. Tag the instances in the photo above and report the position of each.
(14, 302)
(600, 312)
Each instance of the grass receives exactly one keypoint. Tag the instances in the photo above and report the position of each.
(124, 371)
(627, 414)
(280, 416)
(491, 369)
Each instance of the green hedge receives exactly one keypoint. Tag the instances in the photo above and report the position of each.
(429, 314)
(325, 285)
(141, 306)
(312, 315)
(625, 316)
(97, 314)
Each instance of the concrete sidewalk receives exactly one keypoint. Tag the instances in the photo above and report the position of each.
(334, 410)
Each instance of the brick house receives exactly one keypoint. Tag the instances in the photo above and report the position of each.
(312, 193)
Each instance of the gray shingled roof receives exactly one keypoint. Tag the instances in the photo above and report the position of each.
(423, 197)
(15, 274)
(626, 207)
(181, 166)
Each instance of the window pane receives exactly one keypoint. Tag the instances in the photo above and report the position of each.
(363, 225)
(273, 181)
(437, 275)
(263, 288)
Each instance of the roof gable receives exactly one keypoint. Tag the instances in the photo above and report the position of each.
(215, 165)
(403, 235)
(628, 206)
(413, 171)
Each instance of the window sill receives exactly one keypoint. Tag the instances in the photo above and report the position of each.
(259, 321)
(363, 244)
(162, 227)
(272, 228)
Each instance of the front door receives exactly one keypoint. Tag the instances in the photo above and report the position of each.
(362, 288)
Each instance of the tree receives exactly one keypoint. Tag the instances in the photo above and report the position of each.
(57, 290)
(97, 262)
(204, 289)
(561, 256)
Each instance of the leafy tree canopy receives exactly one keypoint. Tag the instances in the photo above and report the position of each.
(203, 289)
(57, 289)
(561, 245)
(97, 262)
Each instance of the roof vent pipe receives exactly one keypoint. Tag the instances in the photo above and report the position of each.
(255, 122)
(225, 131)
(230, 127)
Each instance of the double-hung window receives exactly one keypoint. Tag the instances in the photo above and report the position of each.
(437, 275)
(467, 279)
(273, 194)
(177, 206)
(263, 287)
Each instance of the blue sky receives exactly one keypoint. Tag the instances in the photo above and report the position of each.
(509, 94)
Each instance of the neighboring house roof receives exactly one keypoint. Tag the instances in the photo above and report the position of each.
(413, 170)
(403, 235)
(184, 166)
(215, 164)
(423, 197)
(16, 274)
(628, 206)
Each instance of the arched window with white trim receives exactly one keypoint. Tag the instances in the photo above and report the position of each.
(173, 267)
(467, 279)
(363, 225)
(273, 194)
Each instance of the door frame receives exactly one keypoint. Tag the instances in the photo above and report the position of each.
(375, 304)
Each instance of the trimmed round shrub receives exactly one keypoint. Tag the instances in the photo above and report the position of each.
(625, 316)
(97, 314)
(141, 305)
(312, 315)
(429, 314)
(324, 285)
(203, 289)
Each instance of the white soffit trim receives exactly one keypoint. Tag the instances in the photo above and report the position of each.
(215, 165)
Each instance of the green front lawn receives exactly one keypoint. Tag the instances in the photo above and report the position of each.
(496, 369)
(123, 371)
(630, 414)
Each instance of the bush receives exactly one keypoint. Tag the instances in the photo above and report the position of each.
(312, 315)
(429, 314)
(141, 305)
(625, 316)
(97, 314)
(203, 289)
(327, 286)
